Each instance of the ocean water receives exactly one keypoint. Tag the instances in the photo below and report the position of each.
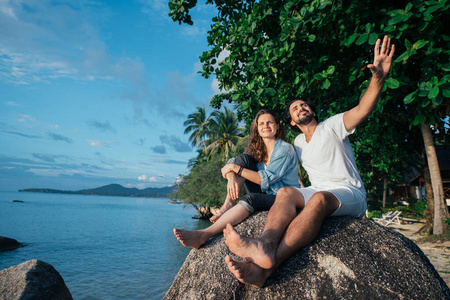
(104, 247)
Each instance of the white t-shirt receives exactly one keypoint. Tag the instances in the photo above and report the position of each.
(328, 157)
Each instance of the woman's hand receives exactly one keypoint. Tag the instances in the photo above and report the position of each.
(227, 169)
(232, 186)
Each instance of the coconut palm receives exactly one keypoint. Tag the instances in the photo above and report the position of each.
(225, 134)
(199, 124)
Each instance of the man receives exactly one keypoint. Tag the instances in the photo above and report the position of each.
(336, 187)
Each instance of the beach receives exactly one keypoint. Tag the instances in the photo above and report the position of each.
(438, 252)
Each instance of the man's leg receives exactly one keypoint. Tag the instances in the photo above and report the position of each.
(300, 232)
(196, 238)
(262, 250)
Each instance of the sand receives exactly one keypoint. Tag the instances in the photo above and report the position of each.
(437, 252)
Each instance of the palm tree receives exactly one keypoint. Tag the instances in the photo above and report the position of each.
(440, 208)
(199, 124)
(225, 134)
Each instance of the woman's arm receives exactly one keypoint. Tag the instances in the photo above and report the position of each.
(246, 173)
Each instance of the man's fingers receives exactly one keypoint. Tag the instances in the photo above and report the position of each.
(383, 45)
(377, 47)
(392, 51)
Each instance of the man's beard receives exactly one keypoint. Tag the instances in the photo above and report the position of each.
(307, 118)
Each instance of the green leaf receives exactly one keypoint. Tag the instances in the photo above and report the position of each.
(330, 70)
(446, 93)
(403, 57)
(362, 39)
(437, 101)
(373, 37)
(409, 98)
(392, 83)
(271, 92)
(369, 27)
(433, 92)
(396, 19)
(311, 38)
(419, 44)
(350, 39)
(318, 76)
(419, 119)
(408, 44)
(326, 84)
(446, 67)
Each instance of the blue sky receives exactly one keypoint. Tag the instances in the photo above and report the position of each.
(96, 92)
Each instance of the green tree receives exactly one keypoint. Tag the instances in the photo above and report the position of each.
(199, 125)
(281, 50)
(203, 187)
(225, 134)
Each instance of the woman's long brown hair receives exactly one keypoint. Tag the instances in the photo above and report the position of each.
(256, 147)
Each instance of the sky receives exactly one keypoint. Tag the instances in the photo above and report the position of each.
(96, 92)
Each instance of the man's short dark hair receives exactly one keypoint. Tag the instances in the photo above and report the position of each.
(287, 114)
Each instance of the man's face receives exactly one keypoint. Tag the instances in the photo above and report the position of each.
(301, 113)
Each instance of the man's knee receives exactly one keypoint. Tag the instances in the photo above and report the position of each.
(290, 195)
(323, 201)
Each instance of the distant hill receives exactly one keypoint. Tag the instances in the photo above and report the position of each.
(113, 190)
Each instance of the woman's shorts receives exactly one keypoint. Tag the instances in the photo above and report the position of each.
(257, 202)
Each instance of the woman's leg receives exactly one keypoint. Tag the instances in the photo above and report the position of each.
(247, 162)
(250, 163)
(196, 238)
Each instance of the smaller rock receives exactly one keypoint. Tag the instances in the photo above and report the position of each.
(7, 244)
(17, 201)
(33, 279)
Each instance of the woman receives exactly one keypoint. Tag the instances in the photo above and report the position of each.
(268, 164)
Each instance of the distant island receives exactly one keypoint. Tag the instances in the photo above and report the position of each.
(113, 190)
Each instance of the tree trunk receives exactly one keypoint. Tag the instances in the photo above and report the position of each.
(429, 211)
(440, 207)
(384, 191)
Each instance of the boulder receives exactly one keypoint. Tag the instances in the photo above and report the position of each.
(350, 259)
(7, 244)
(33, 279)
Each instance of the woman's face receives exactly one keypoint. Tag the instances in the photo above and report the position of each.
(267, 127)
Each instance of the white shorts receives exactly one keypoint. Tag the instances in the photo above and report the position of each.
(352, 201)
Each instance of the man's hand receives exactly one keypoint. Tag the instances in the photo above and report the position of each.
(383, 58)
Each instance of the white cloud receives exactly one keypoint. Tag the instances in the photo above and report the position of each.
(100, 144)
(147, 178)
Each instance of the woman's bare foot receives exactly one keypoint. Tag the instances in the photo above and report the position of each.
(250, 248)
(191, 238)
(226, 206)
(248, 272)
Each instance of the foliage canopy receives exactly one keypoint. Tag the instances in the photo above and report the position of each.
(319, 49)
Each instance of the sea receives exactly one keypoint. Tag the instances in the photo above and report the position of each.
(104, 247)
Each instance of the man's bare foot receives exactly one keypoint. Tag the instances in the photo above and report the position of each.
(248, 272)
(250, 248)
(226, 206)
(191, 238)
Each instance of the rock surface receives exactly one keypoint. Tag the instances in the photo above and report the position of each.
(7, 244)
(33, 279)
(350, 259)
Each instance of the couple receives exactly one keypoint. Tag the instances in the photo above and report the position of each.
(337, 190)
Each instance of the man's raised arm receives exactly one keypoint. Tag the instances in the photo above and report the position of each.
(380, 68)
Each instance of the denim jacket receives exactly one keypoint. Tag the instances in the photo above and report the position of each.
(282, 169)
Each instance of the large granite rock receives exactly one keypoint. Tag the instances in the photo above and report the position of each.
(7, 244)
(33, 279)
(350, 259)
